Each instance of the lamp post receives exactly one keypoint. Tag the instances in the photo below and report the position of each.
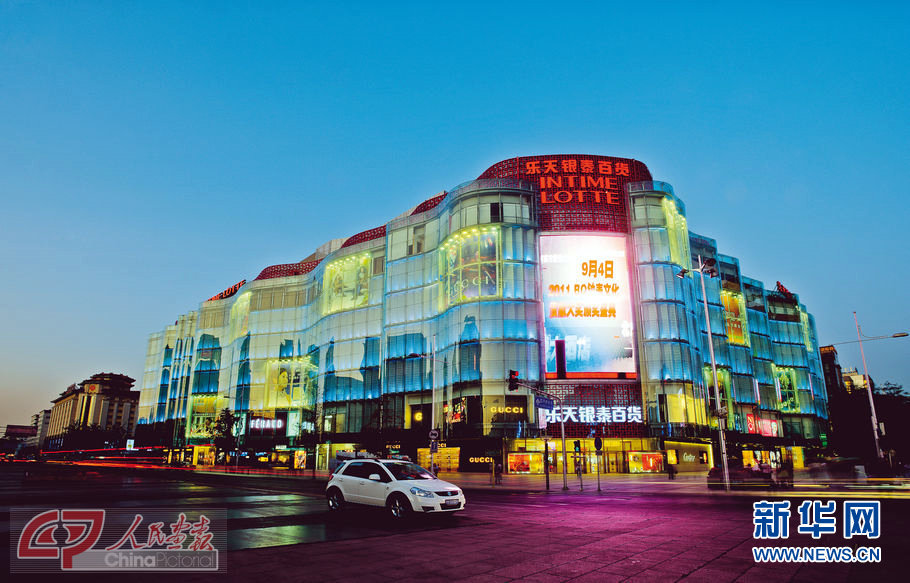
(859, 338)
(709, 266)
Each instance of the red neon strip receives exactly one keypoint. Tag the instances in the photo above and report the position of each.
(595, 375)
(103, 449)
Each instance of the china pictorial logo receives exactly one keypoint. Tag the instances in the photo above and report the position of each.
(116, 540)
(860, 518)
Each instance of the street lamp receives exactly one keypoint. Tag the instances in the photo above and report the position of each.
(709, 267)
(859, 338)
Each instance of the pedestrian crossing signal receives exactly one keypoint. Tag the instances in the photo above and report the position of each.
(513, 380)
(577, 445)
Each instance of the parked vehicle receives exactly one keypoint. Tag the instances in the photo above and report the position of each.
(400, 486)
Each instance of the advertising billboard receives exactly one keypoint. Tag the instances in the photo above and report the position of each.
(587, 305)
(346, 283)
(469, 266)
(290, 384)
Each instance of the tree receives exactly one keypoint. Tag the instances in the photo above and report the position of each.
(892, 407)
(223, 428)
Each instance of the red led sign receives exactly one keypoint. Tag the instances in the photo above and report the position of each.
(228, 292)
(577, 192)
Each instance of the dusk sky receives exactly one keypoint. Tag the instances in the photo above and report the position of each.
(154, 153)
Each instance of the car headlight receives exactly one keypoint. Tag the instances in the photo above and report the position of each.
(421, 492)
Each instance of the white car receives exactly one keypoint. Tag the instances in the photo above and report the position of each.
(400, 486)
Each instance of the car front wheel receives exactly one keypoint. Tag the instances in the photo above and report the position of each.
(335, 499)
(399, 507)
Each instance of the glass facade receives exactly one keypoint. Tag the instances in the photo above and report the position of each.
(570, 279)
(768, 365)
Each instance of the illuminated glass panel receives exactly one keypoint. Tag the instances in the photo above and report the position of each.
(588, 303)
(807, 330)
(785, 379)
(677, 233)
(346, 283)
(240, 316)
(470, 266)
(289, 383)
(735, 317)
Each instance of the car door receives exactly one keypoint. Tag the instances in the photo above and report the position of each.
(374, 492)
(352, 482)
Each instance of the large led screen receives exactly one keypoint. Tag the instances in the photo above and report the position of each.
(587, 304)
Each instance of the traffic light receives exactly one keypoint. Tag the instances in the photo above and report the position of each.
(577, 445)
(513, 380)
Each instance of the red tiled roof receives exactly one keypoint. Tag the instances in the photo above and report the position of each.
(287, 269)
(429, 203)
(367, 235)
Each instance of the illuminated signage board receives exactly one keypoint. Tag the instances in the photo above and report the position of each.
(515, 410)
(763, 426)
(262, 423)
(481, 460)
(578, 180)
(593, 415)
(577, 191)
(587, 305)
(228, 292)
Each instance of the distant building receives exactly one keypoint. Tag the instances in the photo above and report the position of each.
(102, 403)
(40, 421)
(855, 382)
(14, 438)
(848, 407)
(19, 432)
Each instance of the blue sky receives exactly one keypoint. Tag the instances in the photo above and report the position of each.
(153, 154)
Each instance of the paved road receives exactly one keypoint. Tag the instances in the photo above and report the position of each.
(278, 529)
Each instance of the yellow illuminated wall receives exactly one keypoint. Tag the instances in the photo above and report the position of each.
(683, 408)
(677, 233)
(735, 317)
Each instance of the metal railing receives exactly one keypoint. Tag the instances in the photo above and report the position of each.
(488, 183)
(649, 186)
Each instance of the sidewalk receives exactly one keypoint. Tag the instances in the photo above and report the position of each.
(685, 482)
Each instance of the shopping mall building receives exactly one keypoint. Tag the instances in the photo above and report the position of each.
(574, 270)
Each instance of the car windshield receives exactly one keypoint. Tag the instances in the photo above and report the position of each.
(407, 471)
